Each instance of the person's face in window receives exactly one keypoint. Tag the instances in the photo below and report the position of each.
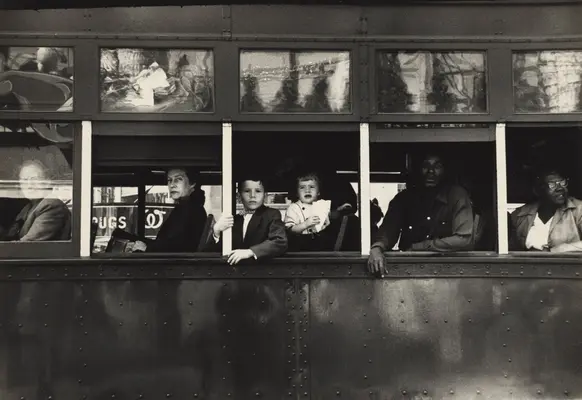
(308, 190)
(33, 181)
(252, 195)
(555, 189)
(432, 171)
(179, 185)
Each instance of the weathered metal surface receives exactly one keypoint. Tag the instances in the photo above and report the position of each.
(308, 336)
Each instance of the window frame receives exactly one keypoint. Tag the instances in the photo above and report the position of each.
(495, 61)
(122, 129)
(540, 46)
(44, 115)
(56, 249)
(340, 46)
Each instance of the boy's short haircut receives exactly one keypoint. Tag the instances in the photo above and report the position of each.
(254, 178)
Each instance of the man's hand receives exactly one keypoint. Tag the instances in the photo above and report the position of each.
(376, 261)
(224, 222)
(236, 256)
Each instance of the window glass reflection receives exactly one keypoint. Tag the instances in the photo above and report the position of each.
(428, 82)
(544, 189)
(36, 79)
(295, 82)
(117, 207)
(35, 182)
(547, 81)
(157, 80)
(435, 197)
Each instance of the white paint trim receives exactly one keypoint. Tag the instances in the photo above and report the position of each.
(365, 188)
(501, 169)
(85, 203)
(227, 183)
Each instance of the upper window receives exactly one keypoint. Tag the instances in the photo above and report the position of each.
(431, 82)
(36, 79)
(547, 81)
(157, 80)
(295, 82)
(36, 181)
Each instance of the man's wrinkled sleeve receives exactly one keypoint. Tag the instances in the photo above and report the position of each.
(389, 232)
(462, 226)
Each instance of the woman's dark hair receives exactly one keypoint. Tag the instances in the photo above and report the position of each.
(192, 173)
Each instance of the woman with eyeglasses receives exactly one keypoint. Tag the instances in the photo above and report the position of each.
(552, 223)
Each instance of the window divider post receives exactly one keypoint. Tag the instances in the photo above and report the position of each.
(364, 187)
(86, 195)
(227, 183)
(501, 181)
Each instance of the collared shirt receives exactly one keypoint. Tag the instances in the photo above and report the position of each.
(565, 228)
(246, 219)
(428, 221)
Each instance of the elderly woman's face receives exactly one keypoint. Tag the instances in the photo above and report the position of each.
(179, 185)
(33, 182)
(555, 189)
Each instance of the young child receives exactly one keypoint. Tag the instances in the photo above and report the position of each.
(299, 218)
(256, 233)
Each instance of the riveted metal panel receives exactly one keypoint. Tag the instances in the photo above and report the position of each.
(194, 20)
(479, 20)
(292, 20)
(445, 339)
(44, 21)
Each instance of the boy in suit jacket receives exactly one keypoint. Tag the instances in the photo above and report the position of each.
(259, 232)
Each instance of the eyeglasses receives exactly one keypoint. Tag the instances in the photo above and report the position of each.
(554, 184)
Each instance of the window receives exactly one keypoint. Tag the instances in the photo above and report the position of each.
(295, 81)
(547, 81)
(440, 185)
(431, 82)
(36, 79)
(157, 80)
(544, 188)
(36, 181)
(166, 194)
(306, 174)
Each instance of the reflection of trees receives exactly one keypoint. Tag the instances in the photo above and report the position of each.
(317, 100)
(250, 101)
(287, 97)
(440, 97)
(449, 72)
(393, 95)
(528, 98)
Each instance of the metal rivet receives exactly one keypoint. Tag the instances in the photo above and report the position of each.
(404, 392)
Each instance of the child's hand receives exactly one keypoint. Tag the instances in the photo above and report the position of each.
(312, 221)
(224, 222)
(241, 254)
